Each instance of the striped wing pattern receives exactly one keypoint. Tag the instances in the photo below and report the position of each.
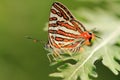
(64, 30)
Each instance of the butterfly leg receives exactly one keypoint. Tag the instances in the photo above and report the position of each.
(68, 51)
(51, 55)
(57, 54)
(54, 56)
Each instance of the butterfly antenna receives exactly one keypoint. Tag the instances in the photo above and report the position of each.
(98, 37)
(34, 40)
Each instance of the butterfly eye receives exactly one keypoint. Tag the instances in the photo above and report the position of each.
(90, 33)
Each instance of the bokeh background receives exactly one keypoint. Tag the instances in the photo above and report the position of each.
(22, 59)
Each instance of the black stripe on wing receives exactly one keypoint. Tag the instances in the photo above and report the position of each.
(63, 10)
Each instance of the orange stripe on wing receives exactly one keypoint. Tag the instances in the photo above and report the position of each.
(52, 31)
(53, 25)
(61, 32)
(53, 43)
(63, 39)
(71, 45)
(59, 14)
(52, 18)
(76, 26)
(53, 11)
(66, 25)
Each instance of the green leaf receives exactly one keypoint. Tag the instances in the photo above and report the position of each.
(109, 59)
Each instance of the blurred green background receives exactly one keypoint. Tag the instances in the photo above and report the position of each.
(20, 58)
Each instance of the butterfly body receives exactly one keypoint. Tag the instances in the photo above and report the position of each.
(65, 33)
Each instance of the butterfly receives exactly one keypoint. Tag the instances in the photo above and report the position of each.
(65, 33)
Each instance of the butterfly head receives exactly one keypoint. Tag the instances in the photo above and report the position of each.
(89, 37)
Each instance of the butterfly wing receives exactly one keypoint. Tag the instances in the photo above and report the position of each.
(64, 30)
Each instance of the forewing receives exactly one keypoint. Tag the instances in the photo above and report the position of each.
(63, 28)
